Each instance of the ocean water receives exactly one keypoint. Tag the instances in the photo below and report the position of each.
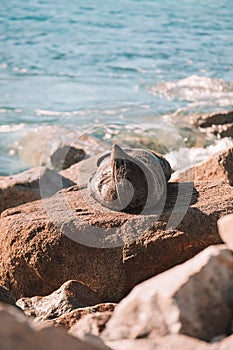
(78, 63)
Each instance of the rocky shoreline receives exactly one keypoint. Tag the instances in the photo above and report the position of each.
(76, 275)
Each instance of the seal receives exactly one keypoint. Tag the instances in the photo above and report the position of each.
(130, 180)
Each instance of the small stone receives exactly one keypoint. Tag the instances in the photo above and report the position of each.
(66, 156)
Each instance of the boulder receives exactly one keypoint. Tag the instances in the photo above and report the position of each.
(66, 156)
(218, 167)
(6, 296)
(71, 295)
(70, 236)
(193, 299)
(19, 333)
(30, 185)
(74, 317)
(225, 227)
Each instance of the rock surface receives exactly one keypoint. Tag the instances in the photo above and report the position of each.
(6, 296)
(71, 295)
(218, 167)
(18, 333)
(66, 156)
(74, 317)
(30, 185)
(194, 299)
(70, 236)
(225, 227)
(93, 324)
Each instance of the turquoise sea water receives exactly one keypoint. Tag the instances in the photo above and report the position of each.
(58, 58)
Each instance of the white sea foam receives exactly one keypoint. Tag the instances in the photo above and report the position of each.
(197, 89)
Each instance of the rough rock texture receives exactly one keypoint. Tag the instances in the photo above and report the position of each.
(30, 185)
(6, 296)
(169, 342)
(70, 236)
(93, 324)
(66, 156)
(219, 124)
(218, 167)
(71, 295)
(225, 227)
(72, 318)
(194, 299)
(18, 333)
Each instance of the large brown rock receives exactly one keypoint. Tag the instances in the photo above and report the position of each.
(30, 185)
(18, 333)
(6, 296)
(194, 299)
(218, 167)
(71, 295)
(69, 236)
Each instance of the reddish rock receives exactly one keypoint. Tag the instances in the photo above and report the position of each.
(29, 186)
(71, 295)
(6, 296)
(194, 299)
(72, 318)
(225, 227)
(218, 167)
(18, 333)
(70, 236)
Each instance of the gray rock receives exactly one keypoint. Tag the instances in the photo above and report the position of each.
(66, 156)
(194, 299)
(225, 228)
(71, 295)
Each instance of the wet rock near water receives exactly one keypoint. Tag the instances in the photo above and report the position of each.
(66, 156)
(71, 295)
(218, 167)
(194, 299)
(220, 124)
(30, 185)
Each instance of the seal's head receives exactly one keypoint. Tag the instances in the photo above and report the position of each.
(129, 179)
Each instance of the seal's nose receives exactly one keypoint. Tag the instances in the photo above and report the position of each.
(117, 152)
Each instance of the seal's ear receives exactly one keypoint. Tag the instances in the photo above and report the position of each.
(100, 159)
